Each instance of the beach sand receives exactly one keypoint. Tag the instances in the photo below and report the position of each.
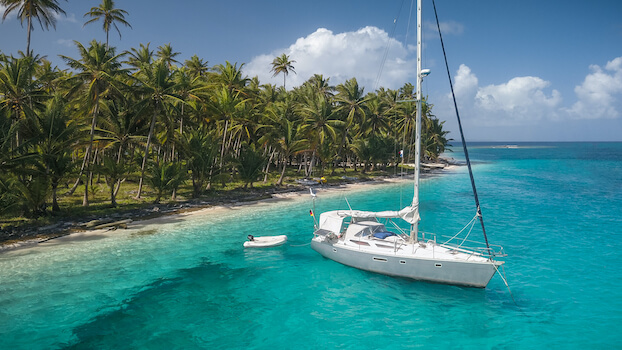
(161, 218)
(184, 213)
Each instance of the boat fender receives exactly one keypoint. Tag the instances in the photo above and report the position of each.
(250, 238)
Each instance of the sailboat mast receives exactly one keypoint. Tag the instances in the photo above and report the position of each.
(415, 227)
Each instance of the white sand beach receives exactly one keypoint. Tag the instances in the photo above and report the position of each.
(138, 224)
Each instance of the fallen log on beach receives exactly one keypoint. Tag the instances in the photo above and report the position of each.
(114, 224)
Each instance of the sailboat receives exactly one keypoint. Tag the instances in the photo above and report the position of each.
(377, 241)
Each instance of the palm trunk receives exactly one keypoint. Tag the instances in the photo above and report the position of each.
(142, 169)
(55, 206)
(224, 138)
(181, 130)
(300, 164)
(87, 154)
(280, 182)
(113, 200)
(85, 199)
(265, 178)
(28, 38)
(311, 163)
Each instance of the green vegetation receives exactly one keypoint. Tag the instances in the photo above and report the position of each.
(124, 129)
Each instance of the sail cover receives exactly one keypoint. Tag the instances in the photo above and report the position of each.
(332, 220)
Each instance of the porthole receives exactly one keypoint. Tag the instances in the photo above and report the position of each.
(438, 265)
(380, 259)
(402, 262)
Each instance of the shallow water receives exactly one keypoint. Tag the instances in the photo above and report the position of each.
(189, 284)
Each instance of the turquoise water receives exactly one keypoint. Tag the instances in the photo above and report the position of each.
(556, 209)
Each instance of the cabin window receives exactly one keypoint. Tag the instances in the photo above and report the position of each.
(438, 265)
(402, 261)
(380, 259)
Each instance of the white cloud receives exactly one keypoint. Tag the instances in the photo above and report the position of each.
(10, 16)
(66, 42)
(465, 83)
(447, 28)
(600, 94)
(520, 97)
(340, 56)
(70, 17)
(515, 102)
(529, 100)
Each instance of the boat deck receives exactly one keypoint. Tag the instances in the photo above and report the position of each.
(398, 247)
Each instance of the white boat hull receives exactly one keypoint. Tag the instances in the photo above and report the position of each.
(463, 273)
(266, 241)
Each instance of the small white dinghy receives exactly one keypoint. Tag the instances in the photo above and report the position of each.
(266, 241)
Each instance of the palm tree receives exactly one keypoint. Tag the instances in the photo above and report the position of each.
(139, 57)
(286, 134)
(120, 128)
(20, 95)
(55, 134)
(320, 123)
(189, 87)
(376, 120)
(113, 171)
(166, 54)
(249, 164)
(165, 177)
(42, 10)
(8, 192)
(225, 105)
(157, 87)
(352, 107)
(434, 138)
(109, 16)
(282, 64)
(97, 73)
(196, 66)
(230, 76)
(199, 148)
(320, 85)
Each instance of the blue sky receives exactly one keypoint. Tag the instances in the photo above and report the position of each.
(527, 70)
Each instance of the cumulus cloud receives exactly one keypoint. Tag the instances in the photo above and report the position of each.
(529, 99)
(341, 56)
(465, 83)
(519, 100)
(600, 94)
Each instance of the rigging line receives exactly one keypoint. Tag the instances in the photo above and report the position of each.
(464, 228)
(386, 50)
(505, 281)
(408, 26)
(466, 152)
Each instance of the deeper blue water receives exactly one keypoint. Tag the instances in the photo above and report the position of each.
(555, 207)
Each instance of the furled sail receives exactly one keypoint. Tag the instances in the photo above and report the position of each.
(332, 220)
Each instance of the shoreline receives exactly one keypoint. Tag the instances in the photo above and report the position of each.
(68, 230)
